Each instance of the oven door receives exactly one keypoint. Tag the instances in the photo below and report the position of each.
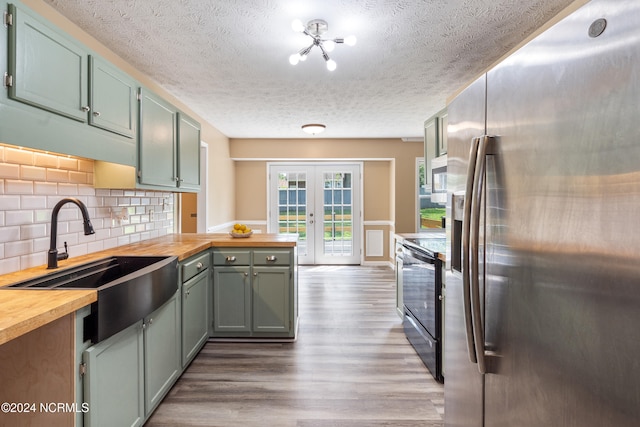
(420, 289)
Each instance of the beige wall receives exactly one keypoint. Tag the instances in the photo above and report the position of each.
(221, 198)
(389, 198)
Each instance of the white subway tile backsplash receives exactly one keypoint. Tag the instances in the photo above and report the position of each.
(33, 231)
(45, 160)
(41, 244)
(18, 156)
(9, 203)
(33, 260)
(79, 177)
(32, 183)
(42, 215)
(68, 163)
(12, 186)
(17, 248)
(57, 175)
(18, 217)
(7, 265)
(95, 246)
(45, 188)
(33, 173)
(68, 189)
(9, 171)
(9, 234)
(33, 202)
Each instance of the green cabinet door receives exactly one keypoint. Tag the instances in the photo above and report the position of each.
(157, 143)
(195, 315)
(48, 68)
(114, 384)
(162, 365)
(271, 299)
(112, 98)
(231, 299)
(188, 153)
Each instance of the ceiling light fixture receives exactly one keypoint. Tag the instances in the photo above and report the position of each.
(315, 29)
(313, 128)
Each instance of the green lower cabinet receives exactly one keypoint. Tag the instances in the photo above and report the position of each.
(127, 375)
(195, 315)
(114, 380)
(257, 299)
(271, 299)
(162, 364)
(231, 300)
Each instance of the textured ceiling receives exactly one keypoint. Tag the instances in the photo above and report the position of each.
(228, 59)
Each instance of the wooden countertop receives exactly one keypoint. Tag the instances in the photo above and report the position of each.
(23, 310)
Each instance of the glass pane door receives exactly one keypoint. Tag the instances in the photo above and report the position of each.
(292, 206)
(321, 204)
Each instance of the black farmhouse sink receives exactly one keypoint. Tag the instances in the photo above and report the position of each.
(129, 288)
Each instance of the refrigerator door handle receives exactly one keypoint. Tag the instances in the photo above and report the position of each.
(466, 235)
(485, 147)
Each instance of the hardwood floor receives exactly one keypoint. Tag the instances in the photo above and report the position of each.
(351, 366)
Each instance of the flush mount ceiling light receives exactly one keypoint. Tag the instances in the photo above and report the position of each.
(315, 29)
(313, 128)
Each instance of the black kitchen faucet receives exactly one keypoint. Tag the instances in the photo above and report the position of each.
(53, 256)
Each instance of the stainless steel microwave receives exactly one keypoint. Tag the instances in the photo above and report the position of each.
(439, 179)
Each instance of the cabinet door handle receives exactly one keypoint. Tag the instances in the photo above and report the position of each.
(246, 274)
(96, 113)
(272, 258)
(151, 321)
(255, 274)
(231, 259)
(199, 266)
(86, 108)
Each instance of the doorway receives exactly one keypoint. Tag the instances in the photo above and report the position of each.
(321, 202)
(193, 206)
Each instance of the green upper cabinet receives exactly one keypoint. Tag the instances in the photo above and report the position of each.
(48, 68)
(157, 143)
(188, 153)
(60, 96)
(112, 98)
(169, 145)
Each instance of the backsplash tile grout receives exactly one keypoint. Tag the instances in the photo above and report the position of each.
(31, 183)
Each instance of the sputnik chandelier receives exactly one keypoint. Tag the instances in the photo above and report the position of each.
(315, 29)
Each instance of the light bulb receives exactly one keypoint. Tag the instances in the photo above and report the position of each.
(294, 59)
(303, 57)
(297, 26)
(350, 40)
(329, 45)
(331, 65)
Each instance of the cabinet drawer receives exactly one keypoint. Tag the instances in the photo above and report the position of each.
(195, 266)
(231, 257)
(271, 257)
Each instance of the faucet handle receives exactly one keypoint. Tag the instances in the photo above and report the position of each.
(65, 254)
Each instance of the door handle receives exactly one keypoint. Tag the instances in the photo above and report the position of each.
(485, 146)
(272, 258)
(466, 232)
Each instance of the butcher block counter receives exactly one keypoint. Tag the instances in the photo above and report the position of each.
(22, 311)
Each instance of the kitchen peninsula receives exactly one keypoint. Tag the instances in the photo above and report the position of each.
(42, 349)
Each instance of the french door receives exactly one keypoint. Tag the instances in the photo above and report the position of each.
(321, 203)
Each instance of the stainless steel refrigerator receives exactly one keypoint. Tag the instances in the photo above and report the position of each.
(542, 300)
